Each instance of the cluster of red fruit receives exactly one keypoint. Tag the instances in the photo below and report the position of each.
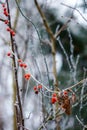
(22, 65)
(11, 31)
(37, 88)
(27, 76)
(54, 98)
(5, 12)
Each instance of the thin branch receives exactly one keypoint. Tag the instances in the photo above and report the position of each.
(16, 18)
(85, 126)
(3, 20)
(49, 90)
(80, 82)
(46, 42)
(71, 87)
(62, 28)
(29, 20)
(76, 10)
(50, 117)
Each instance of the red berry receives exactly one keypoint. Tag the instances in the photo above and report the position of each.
(3, 5)
(5, 13)
(24, 65)
(54, 95)
(4, 9)
(36, 92)
(19, 60)
(53, 100)
(9, 54)
(21, 64)
(8, 29)
(65, 93)
(39, 86)
(6, 21)
(27, 76)
(35, 88)
(12, 32)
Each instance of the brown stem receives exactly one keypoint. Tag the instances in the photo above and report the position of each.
(17, 117)
(44, 20)
(15, 69)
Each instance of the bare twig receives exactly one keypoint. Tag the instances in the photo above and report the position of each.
(85, 126)
(76, 10)
(28, 19)
(3, 20)
(62, 28)
(80, 82)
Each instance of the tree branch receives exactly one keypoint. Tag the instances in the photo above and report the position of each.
(15, 68)
(76, 10)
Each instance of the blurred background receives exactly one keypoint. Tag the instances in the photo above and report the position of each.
(71, 61)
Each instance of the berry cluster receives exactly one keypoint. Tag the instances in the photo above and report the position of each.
(37, 88)
(54, 98)
(11, 31)
(5, 12)
(22, 65)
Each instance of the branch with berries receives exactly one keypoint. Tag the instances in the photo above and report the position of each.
(64, 98)
(6, 13)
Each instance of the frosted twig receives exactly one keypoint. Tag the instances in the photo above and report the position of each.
(28, 19)
(85, 126)
(62, 28)
(76, 10)
(43, 85)
(73, 62)
(64, 51)
(80, 82)
(82, 90)
(71, 87)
